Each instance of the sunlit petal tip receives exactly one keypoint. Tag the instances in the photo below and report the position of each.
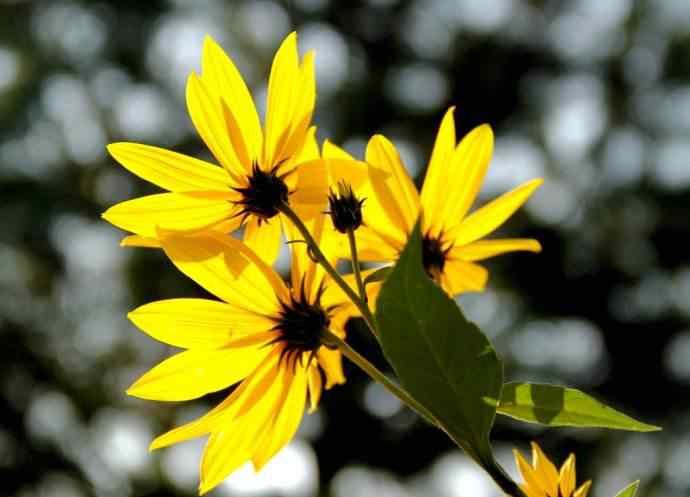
(583, 490)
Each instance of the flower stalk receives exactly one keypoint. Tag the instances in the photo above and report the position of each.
(321, 258)
(355, 265)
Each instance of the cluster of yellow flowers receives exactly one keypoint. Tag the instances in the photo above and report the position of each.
(269, 337)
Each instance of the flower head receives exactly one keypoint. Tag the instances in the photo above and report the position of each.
(263, 334)
(542, 479)
(261, 168)
(452, 236)
(345, 208)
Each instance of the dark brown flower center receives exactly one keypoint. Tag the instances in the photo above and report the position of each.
(265, 193)
(434, 255)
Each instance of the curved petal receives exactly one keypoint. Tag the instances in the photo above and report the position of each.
(227, 268)
(197, 323)
(264, 238)
(224, 80)
(434, 191)
(282, 93)
(392, 185)
(311, 191)
(464, 176)
(287, 420)
(140, 241)
(170, 170)
(460, 277)
(583, 490)
(532, 486)
(315, 383)
(206, 112)
(484, 249)
(235, 441)
(170, 211)
(486, 219)
(567, 476)
(332, 364)
(545, 471)
(194, 373)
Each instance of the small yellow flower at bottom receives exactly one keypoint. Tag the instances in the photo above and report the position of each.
(262, 333)
(542, 479)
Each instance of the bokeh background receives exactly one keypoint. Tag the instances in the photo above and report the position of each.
(592, 95)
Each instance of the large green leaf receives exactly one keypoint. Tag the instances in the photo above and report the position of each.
(444, 361)
(553, 405)
(630, 490)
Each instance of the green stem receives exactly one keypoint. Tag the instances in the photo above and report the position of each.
(321, 258)
(355, 264)
(373, 372)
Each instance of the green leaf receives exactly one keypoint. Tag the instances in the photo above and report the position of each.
(553, 405)
(444, 361)
(379, 275)
(630, 490)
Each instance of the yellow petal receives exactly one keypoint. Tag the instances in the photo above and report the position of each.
(194, 373)
(532, 484)
(263, 238)
(170, 170)
(207, 115)
(567, 476)
(374, 246)
(311, 191)
(140, 241)
(300, 114)
(315, 387)
(545, 471)
(197, 323)
(434, 191)
(392, 185)
(283, 84)
(486, 219)
(332, 364)
(583, 490)
(236, 440)
(229, 269)
(220, 416)
(484, 249)
(170, 211)
(224, 80)
(461, 276)
(287, 420)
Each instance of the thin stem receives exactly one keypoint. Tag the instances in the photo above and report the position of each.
(355, 264)
(321, 258)
(377, 375)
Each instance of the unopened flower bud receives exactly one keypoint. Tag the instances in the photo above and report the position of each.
(345, 208)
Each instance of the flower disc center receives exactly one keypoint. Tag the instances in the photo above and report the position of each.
(433, 255)
(264, 194)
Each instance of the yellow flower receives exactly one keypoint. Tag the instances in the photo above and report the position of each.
(260, 168)
(452, 238)
(542, 479)
(263, 333)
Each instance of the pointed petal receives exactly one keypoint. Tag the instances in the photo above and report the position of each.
(207, 115)
(194, 373)
(486, 219)
(332, 364)
(224, 80)
(264, 238)
(197, 323)
(484, 249)
(170, 211)
(236, 441)
(391, 184)
(287, 420)
(545, 471)
(139, 241)
(583, 490)
(461, 276)
(434, 191)
(229, 269)
(283, 84)
(311, 191)
(532, 484)
(464, 176)
(315, 387)
(170, 170)
(567, 476)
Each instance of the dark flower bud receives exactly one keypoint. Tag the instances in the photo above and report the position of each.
(345, 208)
